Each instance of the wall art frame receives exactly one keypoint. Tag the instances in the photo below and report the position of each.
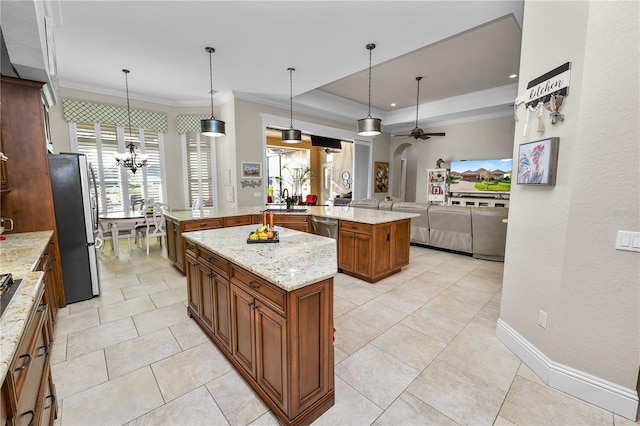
(381, 176)
(251, 170)
(538, 162)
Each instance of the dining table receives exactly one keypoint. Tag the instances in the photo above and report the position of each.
(115, 221)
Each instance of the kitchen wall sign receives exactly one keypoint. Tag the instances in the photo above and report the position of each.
(555, 82)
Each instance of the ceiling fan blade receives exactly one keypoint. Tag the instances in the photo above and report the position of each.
(424, 136)
(400, 136)
(436, 134)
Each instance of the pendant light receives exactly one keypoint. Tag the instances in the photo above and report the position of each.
(212, 126)
(369, 126)
(291, 135)
(130, 160)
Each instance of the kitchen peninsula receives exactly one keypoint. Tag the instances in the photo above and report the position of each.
(372, 244)
(269, 308)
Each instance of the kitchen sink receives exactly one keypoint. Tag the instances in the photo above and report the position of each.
(8, 287)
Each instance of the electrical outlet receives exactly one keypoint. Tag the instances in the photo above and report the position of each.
(628, 240)
(542, 319)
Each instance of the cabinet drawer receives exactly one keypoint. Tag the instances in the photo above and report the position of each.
(356, 227)
(219, 264)
(25, 356)
(203, 224)
(270, 294)
(289, 218)
(191, 249)
(237, 220)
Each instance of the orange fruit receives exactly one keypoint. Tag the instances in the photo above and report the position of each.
(270, 234)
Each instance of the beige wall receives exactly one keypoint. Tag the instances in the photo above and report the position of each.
(560, 242)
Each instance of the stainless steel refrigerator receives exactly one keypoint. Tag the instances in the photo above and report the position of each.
(75, 205)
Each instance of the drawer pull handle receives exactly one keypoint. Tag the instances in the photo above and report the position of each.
(210, 260)
(46, 350)
(253, 285)
(26, 364)
(53, 401)
(254, 307)
(210, 274)
(33, 416)
(203, 224)
(50, 268)
(42, 307)
(250, 304)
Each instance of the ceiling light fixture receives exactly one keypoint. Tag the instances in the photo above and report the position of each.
(212, 126)
(369, 126)
(291, 135)
(130, 160)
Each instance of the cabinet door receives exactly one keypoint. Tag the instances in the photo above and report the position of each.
(362, 254)
(401, 237)
(222, 310)
(205, 284)
(193, 286)
(382, 248)
(171, 240)
(243, 329)
(47, 406)
(346, 251)
(271, 354)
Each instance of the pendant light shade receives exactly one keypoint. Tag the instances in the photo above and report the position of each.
(212, 126)
(291, 135)
(369, 126)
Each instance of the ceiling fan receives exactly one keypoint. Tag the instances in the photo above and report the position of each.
(418, 133)
(330, 150)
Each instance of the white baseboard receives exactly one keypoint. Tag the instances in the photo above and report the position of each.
(604, 394)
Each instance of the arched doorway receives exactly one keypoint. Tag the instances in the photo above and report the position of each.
(405, 166)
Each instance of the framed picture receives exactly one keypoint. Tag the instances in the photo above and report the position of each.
(381, 176)
(537, 162)
(251, 170)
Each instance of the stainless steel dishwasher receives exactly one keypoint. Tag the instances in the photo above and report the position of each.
(325, 226)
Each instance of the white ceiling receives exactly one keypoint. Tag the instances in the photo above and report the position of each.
(465, 50)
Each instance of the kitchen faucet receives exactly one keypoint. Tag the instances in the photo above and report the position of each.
(285, 197)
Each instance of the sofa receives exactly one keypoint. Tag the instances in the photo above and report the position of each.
(478, 231)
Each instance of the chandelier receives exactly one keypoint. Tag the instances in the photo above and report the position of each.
(130, 160)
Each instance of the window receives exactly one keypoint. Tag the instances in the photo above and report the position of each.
(117, 187)
(200, 170)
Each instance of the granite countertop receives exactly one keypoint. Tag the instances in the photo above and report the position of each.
(299, 259)
(354, 214)
(19, 255)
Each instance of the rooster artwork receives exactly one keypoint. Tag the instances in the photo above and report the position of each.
(530, 168)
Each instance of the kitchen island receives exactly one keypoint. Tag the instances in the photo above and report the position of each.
(372, 244)
(269, 309)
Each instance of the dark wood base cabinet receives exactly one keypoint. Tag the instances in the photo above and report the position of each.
(28, 394)
(280, 341)
(372, 252)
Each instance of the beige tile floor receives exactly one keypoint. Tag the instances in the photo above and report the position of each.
(416, 348)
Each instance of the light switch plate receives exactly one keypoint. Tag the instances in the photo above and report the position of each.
(628, 240)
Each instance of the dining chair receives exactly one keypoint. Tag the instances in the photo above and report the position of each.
(155, 225)
(123, 231)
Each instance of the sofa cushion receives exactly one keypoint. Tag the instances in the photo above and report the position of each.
(385, 205)
(366, 203)
(489, 232)
(420, 224)
(450, 227)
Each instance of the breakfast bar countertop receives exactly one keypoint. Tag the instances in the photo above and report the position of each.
(299, 259)
(19, 255)
(353, 214)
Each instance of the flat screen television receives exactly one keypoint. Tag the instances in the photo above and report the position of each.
(480, 176)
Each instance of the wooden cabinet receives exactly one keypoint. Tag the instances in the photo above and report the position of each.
(372, 252)
(292, 221)
(280, 341)
(172, 227)
(28, 391)
(23, 134)
(50, 265)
